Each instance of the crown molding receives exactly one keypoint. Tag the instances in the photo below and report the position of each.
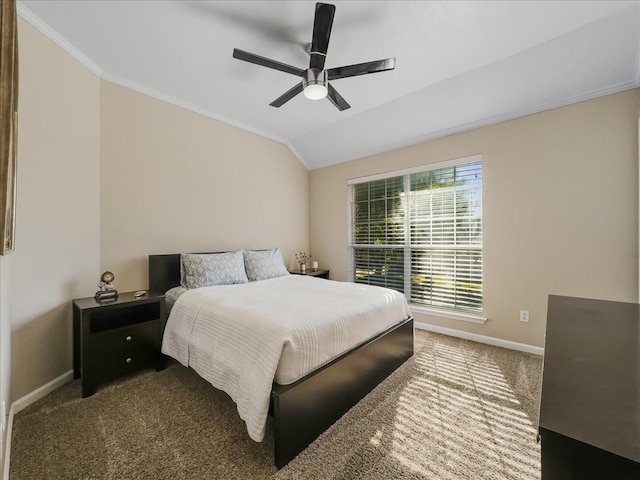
(296, 154)
(52, 35)
(123, 82)
(496, 119)
(65, 45)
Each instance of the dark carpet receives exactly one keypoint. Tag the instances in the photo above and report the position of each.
(456, 410)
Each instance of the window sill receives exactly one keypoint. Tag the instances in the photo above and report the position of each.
(465, 317)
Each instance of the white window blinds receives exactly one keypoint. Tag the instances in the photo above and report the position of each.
(421, 233)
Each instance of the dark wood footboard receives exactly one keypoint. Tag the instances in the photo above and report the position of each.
(306, 408)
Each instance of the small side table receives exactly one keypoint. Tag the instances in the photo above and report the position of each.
(117, 337)
(310, 273)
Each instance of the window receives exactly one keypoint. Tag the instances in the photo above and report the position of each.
(419, 231)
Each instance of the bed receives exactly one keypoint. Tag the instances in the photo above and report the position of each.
(301, 408)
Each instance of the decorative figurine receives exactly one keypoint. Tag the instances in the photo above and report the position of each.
(107, 290)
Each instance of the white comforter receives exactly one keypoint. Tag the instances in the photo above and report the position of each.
(242, 338)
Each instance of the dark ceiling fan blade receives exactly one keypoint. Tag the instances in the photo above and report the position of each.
(321, 32)
(361, 68)
(335, 98)
(288, 95)
(266, 62)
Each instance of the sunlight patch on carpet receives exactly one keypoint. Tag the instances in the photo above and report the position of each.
(460, 413)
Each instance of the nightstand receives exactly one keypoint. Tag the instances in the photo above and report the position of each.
(310, 273)
(117, 337)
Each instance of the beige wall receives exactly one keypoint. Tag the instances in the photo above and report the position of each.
(107, 176)
(560, 206)
(57, 219)
(174, 181)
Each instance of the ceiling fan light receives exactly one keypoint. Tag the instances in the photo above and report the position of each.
(315, 92)
(314, 83)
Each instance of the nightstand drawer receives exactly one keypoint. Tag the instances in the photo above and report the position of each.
(123, 350)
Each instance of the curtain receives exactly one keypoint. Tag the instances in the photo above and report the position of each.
(8, 121)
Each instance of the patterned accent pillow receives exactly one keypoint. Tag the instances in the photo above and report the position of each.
(263, 264)
(208, 269)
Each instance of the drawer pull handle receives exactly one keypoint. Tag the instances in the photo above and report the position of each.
(129, 360)
(128, 338)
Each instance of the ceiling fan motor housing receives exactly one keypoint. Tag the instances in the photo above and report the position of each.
(314, 83)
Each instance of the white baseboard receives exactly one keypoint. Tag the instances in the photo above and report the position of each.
(497, 342)
(23, 403)
(44, 390)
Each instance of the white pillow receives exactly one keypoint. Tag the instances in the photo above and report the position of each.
(208, 269)
(264, 264)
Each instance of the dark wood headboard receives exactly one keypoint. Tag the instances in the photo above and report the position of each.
(164, 272)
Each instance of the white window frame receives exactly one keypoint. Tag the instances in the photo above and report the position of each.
(479, 317)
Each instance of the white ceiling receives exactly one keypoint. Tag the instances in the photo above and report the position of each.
(460, 65)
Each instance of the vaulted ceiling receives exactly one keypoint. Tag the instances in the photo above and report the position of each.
(460, 64)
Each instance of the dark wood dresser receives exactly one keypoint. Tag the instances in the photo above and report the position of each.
(590, 406)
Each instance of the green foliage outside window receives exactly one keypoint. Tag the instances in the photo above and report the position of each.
(426, 228)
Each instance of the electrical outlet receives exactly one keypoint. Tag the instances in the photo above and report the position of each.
(524, 315)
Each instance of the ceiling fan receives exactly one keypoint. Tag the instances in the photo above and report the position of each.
(315, 79)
